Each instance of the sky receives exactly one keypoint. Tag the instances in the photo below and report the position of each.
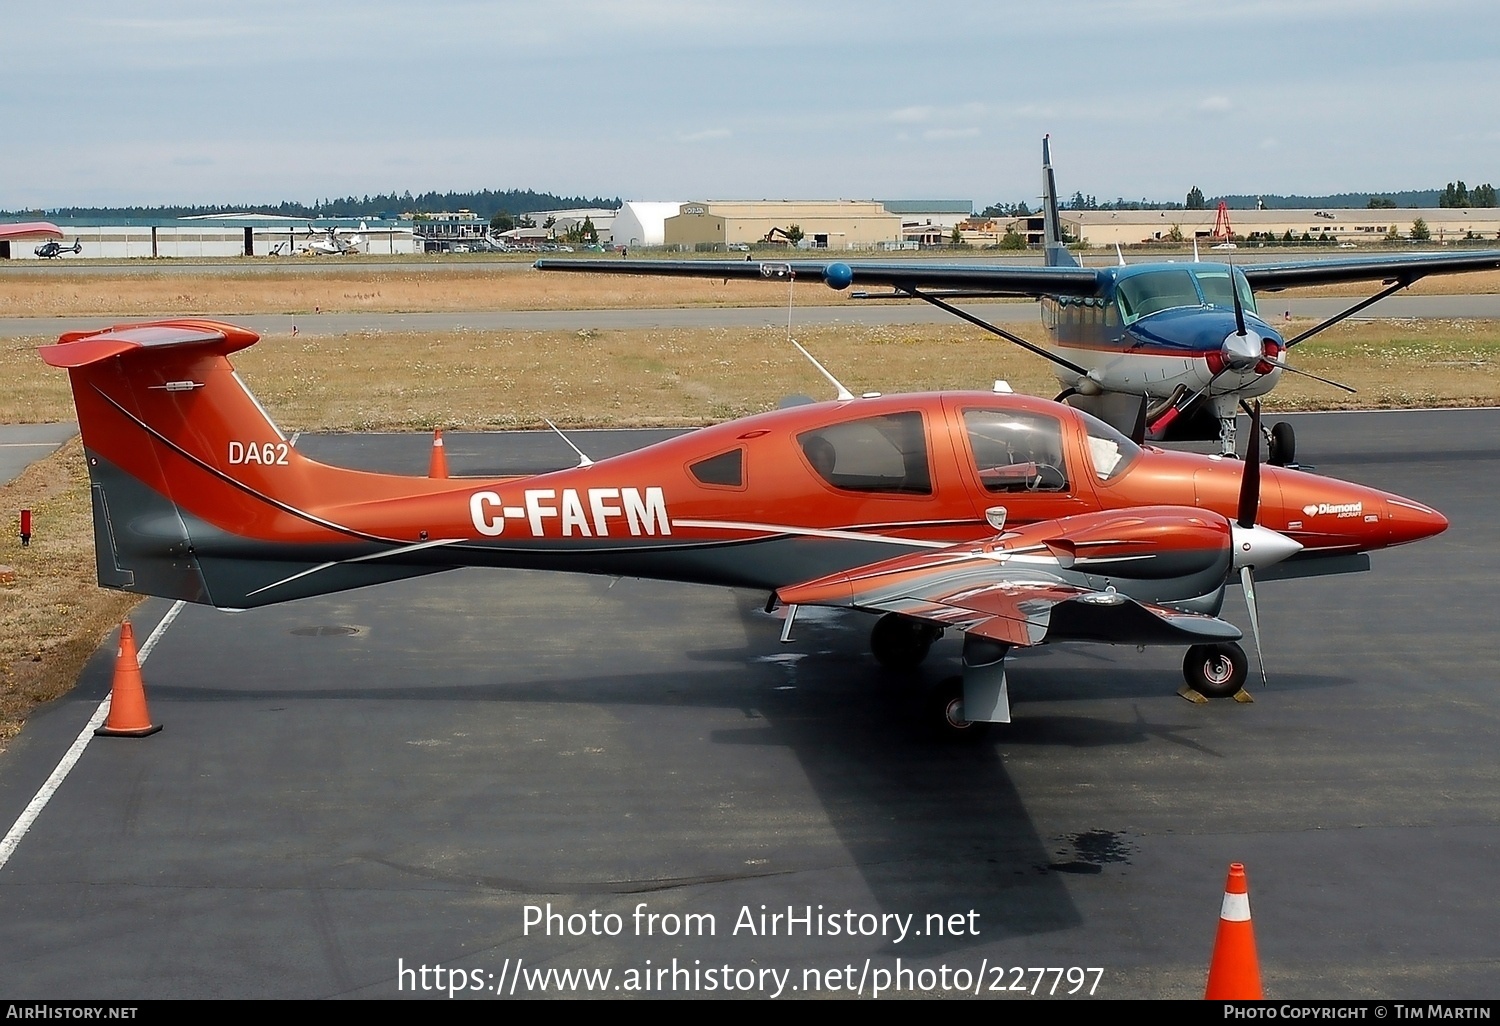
(258, 101)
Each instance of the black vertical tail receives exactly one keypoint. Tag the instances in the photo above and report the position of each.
(1056, 249)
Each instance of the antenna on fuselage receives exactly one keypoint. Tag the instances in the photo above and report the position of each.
(1120, 253)
(843, 393)
(583, 461)
(1197, 259)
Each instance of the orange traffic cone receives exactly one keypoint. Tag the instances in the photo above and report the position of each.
(1234, 973)
(438, 465)
(127, 695)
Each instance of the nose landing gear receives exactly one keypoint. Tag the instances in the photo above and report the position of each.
(1215, 671)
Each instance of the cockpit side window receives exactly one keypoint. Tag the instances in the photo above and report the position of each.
(876, 454)
(726, 470)
(1147, 293)
(1016, 452)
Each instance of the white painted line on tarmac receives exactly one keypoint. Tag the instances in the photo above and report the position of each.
(70, 758)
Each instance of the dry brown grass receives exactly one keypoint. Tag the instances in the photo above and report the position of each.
(53, 616)
(493, 379)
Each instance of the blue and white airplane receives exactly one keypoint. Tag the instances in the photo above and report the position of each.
(1183, 340)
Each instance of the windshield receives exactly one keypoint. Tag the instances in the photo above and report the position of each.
(1111, 452)
(1152, 291)
(1215, 286)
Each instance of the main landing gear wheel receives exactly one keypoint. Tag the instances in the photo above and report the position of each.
(946, 700)
(1283, 448)
(901, 642)
(1216, 671)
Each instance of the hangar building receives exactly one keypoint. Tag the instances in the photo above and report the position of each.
(1345, 226)
(642, 222)
(227, 235)
(825, 224)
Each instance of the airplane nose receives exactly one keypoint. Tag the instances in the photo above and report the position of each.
(1411, 521)
(1242, 352)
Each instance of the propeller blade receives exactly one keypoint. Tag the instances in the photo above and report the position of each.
(1138, 431)
(1247, 579)
(1297, 370)
(1250, 479)
(1239, 311)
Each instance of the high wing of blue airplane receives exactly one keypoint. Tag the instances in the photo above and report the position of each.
(1183, 338)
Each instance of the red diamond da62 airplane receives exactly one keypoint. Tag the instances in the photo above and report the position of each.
(1015, 520)
(1185, 335)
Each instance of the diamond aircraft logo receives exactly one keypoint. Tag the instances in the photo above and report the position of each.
(1340, 509)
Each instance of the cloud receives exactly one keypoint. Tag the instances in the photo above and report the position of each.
(1215, 104)
(912, 115)
(707, 135)
(950, 133)
(925, 114)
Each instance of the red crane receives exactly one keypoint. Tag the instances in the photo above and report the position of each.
(1222, 229)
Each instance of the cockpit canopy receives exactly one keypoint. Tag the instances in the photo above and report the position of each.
(1146, 292)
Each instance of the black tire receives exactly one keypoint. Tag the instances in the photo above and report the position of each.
(947, 704)
(902, 642)
(1216, 671)
(1283, 448)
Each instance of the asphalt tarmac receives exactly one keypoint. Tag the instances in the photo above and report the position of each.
(353, 789)
(23, 444)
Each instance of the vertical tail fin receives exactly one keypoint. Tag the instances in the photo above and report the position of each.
(196, 493)
(1056, 249)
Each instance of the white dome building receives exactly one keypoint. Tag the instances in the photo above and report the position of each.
(643, 223)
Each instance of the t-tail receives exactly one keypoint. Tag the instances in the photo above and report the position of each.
(197, 495)
(1057, 251)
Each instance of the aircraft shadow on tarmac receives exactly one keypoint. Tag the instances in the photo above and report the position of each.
(927, 823)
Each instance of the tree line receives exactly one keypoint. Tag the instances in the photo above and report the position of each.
(485, 203)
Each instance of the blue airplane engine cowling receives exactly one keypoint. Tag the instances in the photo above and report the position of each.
(1196, 330)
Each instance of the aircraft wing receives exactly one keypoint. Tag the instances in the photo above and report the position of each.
(1021, 280)
(986, 279)
(1274, 276)
(963, 588)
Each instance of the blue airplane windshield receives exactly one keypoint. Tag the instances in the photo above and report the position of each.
(1149, 292)
(1215, 286)
(1152, 291)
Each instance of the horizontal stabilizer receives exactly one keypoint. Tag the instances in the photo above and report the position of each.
(81, 348)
